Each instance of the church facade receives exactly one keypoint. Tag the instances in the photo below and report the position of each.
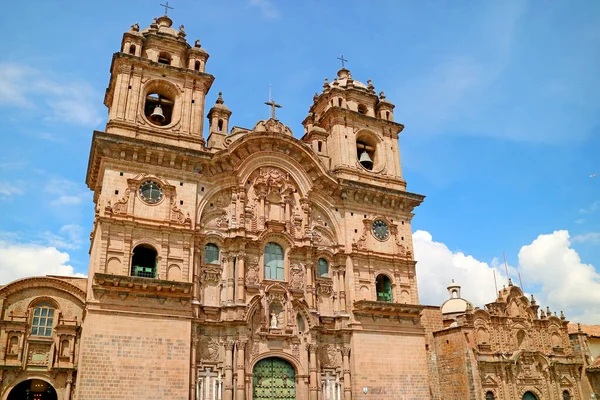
(233, 263)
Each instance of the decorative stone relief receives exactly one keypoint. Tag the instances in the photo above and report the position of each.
(252, 272)
(209, 349)
(297, 277)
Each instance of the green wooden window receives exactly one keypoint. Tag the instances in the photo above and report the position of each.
(383, 286)
(211, 254)
(323, 268)
(43, 318)
(529, 396)
(274, 262)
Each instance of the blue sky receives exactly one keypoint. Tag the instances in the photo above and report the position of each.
(501, 103)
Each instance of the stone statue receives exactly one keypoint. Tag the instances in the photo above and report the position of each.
(273, 321)
(197, 43)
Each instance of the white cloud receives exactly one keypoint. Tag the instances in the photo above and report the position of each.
(66, 192)
(24, 260)
(72, 102)
(68, 237)
(549, 266)
(591, 208)
(590, 237)
(266, 7)
(9, 190)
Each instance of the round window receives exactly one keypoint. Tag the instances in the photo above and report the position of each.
(151, 192)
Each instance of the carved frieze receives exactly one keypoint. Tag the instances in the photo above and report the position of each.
(297, 277)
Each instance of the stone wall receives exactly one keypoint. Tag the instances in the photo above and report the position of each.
(134, 357)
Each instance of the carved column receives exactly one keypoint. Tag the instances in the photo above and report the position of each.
(196, 282)
(261, 210)
(241, 270)
(241, 370)
(228, 370)
(68, 385)
(231, 259)
(225, 263)
(342, 286)
(310, 285)
(346, 366)
(336, 291)
(312, 350)
(193, 369)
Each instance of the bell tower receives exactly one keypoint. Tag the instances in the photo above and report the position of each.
(158, 86)
(353, 131)
(144, 170)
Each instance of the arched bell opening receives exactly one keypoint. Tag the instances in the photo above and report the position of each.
(383, 286)
(144, 261)
(33, 389)
(159, 109)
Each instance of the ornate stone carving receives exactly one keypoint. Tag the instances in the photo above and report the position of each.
(324, 287)
(297, 277)
(177, 215)
(209, 349)
(329, 356)
(38, 354)
(121, 206)
(211, 276)
(273, 180)
(252, 272)
(272, 125)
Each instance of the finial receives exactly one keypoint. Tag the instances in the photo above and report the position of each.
(510, 282)
(220, 98)
(181, 28)
(548, 310)
(542, 314)
(370, 86)
(562, 315)
(452, 280)
(533, 302)
(326, 83)
(197, 43)
(315, 97)
(135, 27)
(382, 95)
(579, 328)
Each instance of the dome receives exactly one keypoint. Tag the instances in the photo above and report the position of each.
(454, 306)
(344, 77)
(162, 25)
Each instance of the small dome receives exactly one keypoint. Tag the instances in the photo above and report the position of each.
(163, 26)
(344, 76)
(454, 306)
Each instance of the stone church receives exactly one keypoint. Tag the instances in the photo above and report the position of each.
(231, 263)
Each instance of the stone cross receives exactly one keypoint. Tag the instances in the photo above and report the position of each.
(273, 106)
(343, 60)
(167, 8)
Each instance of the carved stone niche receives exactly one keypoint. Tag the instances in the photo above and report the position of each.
(279, 315)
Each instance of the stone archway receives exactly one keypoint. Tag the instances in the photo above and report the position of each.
(273, 378)
(529, 396)
(33, 389)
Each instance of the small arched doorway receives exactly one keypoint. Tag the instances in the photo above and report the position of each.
(33, 389)
(273, 378)
(529, 396)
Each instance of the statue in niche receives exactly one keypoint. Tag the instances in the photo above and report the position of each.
(273, 321)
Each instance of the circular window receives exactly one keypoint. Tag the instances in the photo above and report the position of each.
(151, 192)
(380, 230)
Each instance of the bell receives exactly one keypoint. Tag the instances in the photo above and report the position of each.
(365, 160)
(157, 114)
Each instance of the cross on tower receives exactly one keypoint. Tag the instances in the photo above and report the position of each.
(343, 60)
(273, 106)
(167, 8)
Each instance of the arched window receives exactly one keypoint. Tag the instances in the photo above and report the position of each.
(220, 125)
(197, 66)
(489, 395)
(529, 396)
(566, 395)
(132, 49)
(323, 268)
(274, 262)
(211, 254)
(362, 109)
(143, 261)
(383, 285)
(164, 58)
(43, 319)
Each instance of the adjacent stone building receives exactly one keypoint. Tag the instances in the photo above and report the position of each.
(233, 263)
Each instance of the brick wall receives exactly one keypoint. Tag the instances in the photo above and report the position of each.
(391, 365)
(135, 357)
(453, 364)
(431, 319)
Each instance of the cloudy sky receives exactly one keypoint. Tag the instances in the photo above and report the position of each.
(501, 102)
